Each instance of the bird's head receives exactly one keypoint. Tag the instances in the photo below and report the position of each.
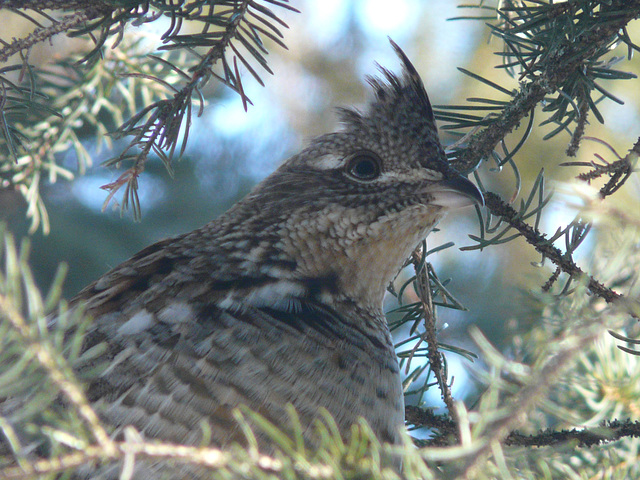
(354, 204)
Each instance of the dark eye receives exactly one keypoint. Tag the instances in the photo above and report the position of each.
(364, 166)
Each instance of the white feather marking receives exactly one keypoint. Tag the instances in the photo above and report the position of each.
(412, 176)
(178, 312)
(279, 294)
(451, 199)
(136, 324)
(328, 162)
(103, 283)
(274, 293)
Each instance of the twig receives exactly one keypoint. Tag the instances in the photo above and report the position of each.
(426, 418)
(48, 360)
(578, 132)
(620, 168)
(588, 437)
(433, 352)
(527, 398)
(552, 279)
(162, 129)
(206, 457)
(556, 69)
(41, 34)
(608, 431)
(503, 210)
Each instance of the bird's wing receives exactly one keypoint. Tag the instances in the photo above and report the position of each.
(172, 346)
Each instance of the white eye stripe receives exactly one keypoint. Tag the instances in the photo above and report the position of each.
(332, 162)
(328, 162)
(420, 175)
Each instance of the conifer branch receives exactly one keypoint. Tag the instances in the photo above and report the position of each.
(211, 458)
(434, 355)
(42, 34)
(618, 171)
(57, 371)
(554, 68)
(606, 432)
(530, 394)
(231, 33)
(538, 240)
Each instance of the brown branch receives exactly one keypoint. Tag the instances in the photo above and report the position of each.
(426, 418)
(581, 122)
(44, 33)
(606, 432)
(40, 5)
(557, 67)
(552, 279)
(433, 352)
(162, 129)
(525, 401)
(620, 170)
(539, 241)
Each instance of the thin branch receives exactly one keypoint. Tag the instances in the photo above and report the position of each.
(608, 431)
(426, 418)
(619, 171)
(557, 67)
(500, 208)
(433, 352)
(578, 132)
(49, 4)
(44, 355)
(527, 397)
(162, 130)
(207, 457)
(41, 34)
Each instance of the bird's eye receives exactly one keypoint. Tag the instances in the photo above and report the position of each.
(364, 166)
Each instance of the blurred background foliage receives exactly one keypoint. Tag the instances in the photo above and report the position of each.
(332, 45)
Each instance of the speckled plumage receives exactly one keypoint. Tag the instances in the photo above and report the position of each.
(279, 300)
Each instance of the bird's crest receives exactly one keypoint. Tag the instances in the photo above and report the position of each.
(409, 86)
(401, 108)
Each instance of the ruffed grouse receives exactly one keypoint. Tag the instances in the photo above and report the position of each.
(279, 300)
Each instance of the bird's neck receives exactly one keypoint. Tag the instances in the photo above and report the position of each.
(360, 252)
(344, 252)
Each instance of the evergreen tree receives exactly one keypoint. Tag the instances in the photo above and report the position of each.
(560, 400)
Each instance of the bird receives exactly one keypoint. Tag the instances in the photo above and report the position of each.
(279, 301)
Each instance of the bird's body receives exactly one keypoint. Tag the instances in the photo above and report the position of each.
(280, 299)
(188, 346)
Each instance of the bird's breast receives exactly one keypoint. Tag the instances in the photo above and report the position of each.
(361, 247)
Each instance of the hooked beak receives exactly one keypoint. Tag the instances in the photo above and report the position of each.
(455, 192)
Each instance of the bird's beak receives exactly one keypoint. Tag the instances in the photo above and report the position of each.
(455, 192)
